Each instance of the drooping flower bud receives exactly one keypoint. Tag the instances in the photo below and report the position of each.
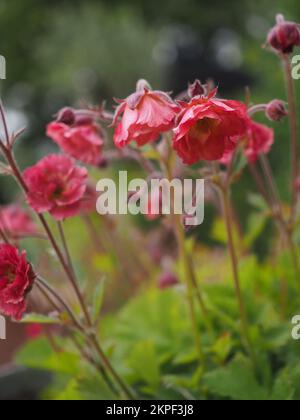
(276, 110)
(284, 36)
(66, 116)
(166, 280)
(196, 89)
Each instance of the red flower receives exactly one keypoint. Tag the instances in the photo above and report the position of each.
(167, 280)
(83, 142)
(56, 185)
(16, 222)
(146, 114)
(33, 331)
(207, 127)
(258, 140)
(285, 36)
(16, 281)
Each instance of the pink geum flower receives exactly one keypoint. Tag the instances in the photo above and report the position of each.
(16, 222)
(56, 185)
(207, 127)
(16, 281)
(144, 116)
(83, 141)
(258, 140)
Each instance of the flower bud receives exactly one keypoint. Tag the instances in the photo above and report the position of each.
(276, 110)
(66, 116)
(284, 36)
(166, 280)
(196, 89)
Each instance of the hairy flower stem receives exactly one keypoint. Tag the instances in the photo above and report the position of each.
(276, 210)
(65, 247)
(188, 270)
(189, 283)
(225, 197)
(90, 359)
(223, 188)
(293, 131)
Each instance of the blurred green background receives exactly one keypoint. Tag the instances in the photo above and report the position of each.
(65, 52)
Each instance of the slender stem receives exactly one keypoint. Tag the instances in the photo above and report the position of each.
(106, 363)
(67, 269)
(2, 112)
(294, 254)
(272, 185)
(188, 268)
(293, 131)
(189, 283)
(234, 263)
(65, 246)
(89, 358)
(276, 210)
(64, 304)
(47, 291)
(48, 297)
(260, 184)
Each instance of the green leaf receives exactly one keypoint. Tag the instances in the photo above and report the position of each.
(145, 363)
(104, 263)
(70, 392)
(236, 381)
(257, 201)
(222, 347)
(38, 354)
(256, 225)
(93, 388)
(98, 299)
(40, 319)
(283, 389)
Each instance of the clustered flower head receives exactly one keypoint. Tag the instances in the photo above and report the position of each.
(284, 36)
(56, 185)
(78, 136)
(16, 281)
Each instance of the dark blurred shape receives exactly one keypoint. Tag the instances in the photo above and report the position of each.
(22, 384)
(219, 60)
